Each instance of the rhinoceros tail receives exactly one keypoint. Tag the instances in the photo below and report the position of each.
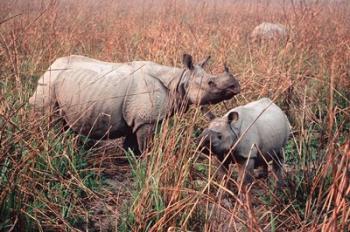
(44, 96)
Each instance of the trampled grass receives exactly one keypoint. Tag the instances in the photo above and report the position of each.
(50, 181)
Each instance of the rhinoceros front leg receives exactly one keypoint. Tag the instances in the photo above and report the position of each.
(144, 136)
(277, 168)
(262, 168)
(130, 142)
(247, 171)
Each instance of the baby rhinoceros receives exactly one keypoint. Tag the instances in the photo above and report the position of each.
(105, 100)
(260, 129)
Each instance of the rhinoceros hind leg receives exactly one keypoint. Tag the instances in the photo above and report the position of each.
(130, 142)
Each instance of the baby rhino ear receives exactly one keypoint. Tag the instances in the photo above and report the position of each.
(187, 61)
(232, 117)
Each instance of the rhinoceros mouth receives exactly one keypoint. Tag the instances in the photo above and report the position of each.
(217, 152)
(234, 89)
(229, 93)
(218, 95)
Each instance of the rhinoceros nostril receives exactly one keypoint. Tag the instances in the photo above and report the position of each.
(211, 84)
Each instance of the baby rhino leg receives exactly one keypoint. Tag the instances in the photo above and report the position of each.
(262, 168)
(277, 168)
(247, 171)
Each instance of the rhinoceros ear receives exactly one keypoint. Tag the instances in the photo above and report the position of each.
(226, 68)
(187, 61)
(232, 117)
(204, 62)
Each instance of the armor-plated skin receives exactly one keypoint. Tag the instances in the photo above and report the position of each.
(269, 31)
(260, 129)
(108, 100)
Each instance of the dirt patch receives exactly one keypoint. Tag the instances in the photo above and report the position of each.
(109, 160)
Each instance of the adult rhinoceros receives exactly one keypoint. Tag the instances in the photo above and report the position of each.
(109, 100)
(269, 31)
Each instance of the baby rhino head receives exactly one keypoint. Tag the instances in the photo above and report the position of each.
(221, 134)
(202, 88)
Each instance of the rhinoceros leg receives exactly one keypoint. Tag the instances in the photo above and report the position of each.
(262, 167)
(130, 142)
(144, 135)
(247, 171)
(277, 168)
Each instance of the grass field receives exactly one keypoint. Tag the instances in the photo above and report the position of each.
(50, 181)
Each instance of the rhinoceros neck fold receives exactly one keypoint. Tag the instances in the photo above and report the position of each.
(170, 78)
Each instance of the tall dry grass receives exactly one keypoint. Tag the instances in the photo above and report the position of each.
(48, 181)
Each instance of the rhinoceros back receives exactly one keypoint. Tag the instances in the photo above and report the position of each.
(268, 125)
(43, 99)
(92, 102)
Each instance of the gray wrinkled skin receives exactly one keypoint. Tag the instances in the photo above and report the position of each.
(108, 100)
(265, 136)
(269, 31)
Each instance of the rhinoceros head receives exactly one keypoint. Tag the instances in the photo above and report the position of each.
(221, 134)
(202, 88)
